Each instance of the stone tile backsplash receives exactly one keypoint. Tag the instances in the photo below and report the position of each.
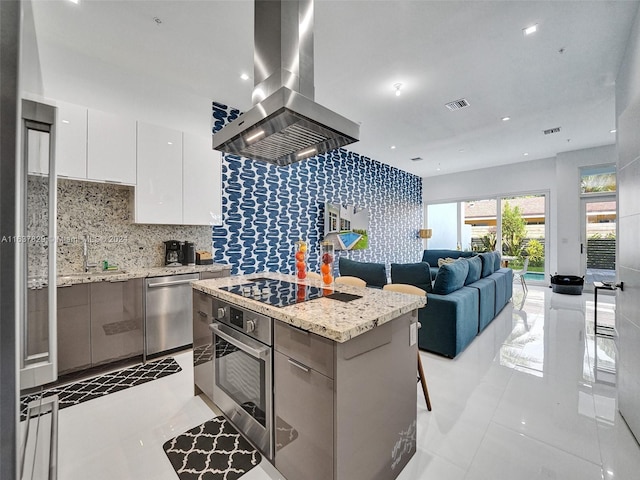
(104, 212)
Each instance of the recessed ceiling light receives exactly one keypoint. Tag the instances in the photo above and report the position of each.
(461, 150)
(75, 1)
(169, 143)
(438, 169)
(530, 30)
(525, 154)
(397, 86)
(613, 131)
(393, 147)
(244, 76)
(506, 119)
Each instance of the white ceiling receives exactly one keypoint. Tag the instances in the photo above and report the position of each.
(440, 50)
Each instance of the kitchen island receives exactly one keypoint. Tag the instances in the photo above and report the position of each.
(343, 374)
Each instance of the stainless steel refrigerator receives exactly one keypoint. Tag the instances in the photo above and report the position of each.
(28, 357)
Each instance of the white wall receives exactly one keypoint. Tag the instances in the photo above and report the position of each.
(442, 222)
(569, 204)
(628, 301)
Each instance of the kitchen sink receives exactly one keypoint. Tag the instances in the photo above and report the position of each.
(91, 274)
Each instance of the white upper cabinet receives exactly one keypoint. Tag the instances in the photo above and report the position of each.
(38, 151)
(201, 182)
(71, 141)
(158, 195)
(111, 148)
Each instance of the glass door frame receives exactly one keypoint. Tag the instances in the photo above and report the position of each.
(584, 200)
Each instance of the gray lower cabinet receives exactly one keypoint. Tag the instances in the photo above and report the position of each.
(117, 319)
(303, 406)
(202, 343)
(74, 328)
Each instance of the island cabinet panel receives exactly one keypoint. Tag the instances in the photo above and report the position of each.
(74, 328)
(376, 398)
(303, 407)
(312, 350)
(117, 317)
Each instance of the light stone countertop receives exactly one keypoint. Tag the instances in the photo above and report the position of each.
(332, 319)
(127, 274)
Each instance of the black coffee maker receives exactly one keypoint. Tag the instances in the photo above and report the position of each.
(173, 253)
(188, 253)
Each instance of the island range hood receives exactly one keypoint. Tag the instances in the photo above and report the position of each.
(285, 125)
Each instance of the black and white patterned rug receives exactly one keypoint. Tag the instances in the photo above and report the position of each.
(211, 451)
(78, 392)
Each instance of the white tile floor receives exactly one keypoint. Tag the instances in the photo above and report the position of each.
(528, 399)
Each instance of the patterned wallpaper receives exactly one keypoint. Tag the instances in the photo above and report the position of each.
(267, 208)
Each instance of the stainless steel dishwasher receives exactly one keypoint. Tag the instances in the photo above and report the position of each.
(168, 313)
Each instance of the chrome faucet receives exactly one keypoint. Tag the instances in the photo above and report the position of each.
(85, 255)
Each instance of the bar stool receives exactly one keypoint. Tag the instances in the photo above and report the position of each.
(413, 290)
(353, 281)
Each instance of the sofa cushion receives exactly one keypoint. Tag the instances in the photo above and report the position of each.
(442, 261)
(497, 260)
(417, 274)
(451, 277)
(375, 274)
(487, 263)
(475, 270)
(432, 256)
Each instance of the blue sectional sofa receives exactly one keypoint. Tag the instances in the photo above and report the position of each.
(432, 257)
(465, 297)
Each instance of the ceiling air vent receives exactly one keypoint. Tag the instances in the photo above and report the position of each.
(551, 130)
(416, 159)
(457, 104)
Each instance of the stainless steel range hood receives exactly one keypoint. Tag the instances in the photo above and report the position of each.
(285, 125)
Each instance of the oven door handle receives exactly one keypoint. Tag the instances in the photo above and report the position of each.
(254, 352)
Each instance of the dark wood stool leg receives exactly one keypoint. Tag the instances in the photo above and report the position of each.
(423, 381)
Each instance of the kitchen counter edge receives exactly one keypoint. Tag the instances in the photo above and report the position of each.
(364, 316)
(92, 277)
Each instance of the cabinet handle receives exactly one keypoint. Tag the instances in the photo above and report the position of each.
(65, 286)
(299, 365)
(201, 313)
(113, 181)
(170, 284)
(117, 281)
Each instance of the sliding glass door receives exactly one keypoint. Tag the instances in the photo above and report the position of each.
(513, 225)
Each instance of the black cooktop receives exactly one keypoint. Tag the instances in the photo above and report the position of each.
(278, 293)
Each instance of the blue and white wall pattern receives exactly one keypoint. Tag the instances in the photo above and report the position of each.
(267, 208)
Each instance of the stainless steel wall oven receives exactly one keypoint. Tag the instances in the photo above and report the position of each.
(243, 368)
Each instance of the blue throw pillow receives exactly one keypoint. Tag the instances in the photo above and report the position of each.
(475, 270)
(497, 259)
(416, 274)
(375, 274)
(451, 277)
(487, 263)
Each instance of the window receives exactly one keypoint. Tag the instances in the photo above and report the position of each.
(594, 180)
(514, 225)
